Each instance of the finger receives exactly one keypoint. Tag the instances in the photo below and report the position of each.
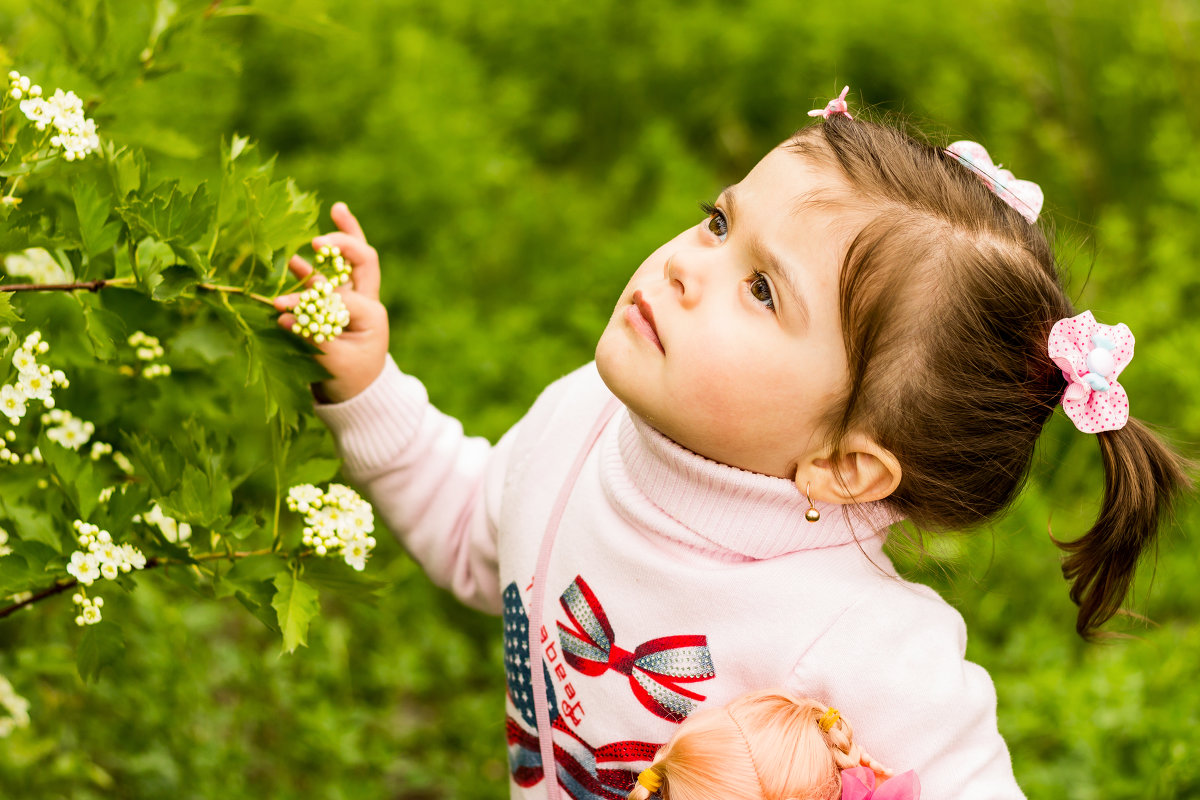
(286, 302)
(366, 313)
(286, 321)
(346, 222)
(300, 268)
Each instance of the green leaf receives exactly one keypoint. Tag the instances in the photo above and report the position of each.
(247, 572)
(101, 646)
(93, 209)
(15, 575)
(152, 257)
(104, 328)
(172, 216)
(174, 281)
(8, 314)
(160, 465)
(295, 605)
(76, 473)
(34, 524)
(340, 577)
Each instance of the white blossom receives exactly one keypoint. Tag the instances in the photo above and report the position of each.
(172, 529)
(12, 402)
(320, 313)
(85, 567)
(69, 431)
(4, 548)
(336, 522)
(36, 264)
(17, 709)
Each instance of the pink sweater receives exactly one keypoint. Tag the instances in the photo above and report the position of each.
(673, 582)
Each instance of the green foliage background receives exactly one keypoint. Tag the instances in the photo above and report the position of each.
(513, 162)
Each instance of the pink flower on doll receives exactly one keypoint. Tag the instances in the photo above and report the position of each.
(1025, 196)
(1091, 357)
(859, 784)
(835, 106)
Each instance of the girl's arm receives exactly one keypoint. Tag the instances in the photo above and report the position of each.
(437, 489)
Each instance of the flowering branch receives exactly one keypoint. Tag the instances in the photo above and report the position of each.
(65, 584)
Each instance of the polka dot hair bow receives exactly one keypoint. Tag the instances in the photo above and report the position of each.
(1091, 357)
(1025, 196)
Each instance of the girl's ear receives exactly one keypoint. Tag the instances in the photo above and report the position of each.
(862, 473)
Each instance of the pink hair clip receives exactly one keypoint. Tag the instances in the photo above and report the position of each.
(1091, 357)
(858, 783)
(835, 106)
(1025, 196)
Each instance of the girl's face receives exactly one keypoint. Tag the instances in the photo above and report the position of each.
(727, 339)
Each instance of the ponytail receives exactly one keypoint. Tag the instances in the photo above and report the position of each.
(1142, 478)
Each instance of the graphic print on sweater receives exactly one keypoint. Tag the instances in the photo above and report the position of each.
(607, 772)
(655, 668)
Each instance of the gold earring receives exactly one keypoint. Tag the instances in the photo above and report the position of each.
(812, 515)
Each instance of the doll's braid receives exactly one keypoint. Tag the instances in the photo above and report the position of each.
(847, 753)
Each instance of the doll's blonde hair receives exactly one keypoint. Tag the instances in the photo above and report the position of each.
(766, 745)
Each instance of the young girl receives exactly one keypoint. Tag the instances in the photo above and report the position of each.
(859, 331)
(769, 746)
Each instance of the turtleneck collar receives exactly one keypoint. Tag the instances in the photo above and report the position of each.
(674, 492)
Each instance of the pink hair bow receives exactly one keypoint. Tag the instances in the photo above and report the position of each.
(1025, 196)
(835, 106)
(1091, 357)
(859, 784)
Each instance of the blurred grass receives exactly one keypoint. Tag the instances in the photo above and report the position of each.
(513, 163)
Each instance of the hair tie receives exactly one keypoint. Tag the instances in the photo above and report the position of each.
(829, 719)
(1091, 356)
(650, 779)
(834, 107)
(1024, 196)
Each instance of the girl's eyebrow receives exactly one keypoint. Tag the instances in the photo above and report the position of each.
(769, 260)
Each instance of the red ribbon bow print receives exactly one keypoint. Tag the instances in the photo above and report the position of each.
(655, 669)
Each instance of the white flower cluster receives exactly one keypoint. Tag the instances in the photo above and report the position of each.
(88, 608)
(69, 430)
(332, 256)
(172, 529)
(34, 381)
(336, 522)
(4, 548)
(72, 132)
(148, 349)
(16, 706)
(320, 313)
(102, 558)
(37, 265)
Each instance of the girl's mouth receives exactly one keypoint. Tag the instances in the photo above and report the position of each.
(640, 317)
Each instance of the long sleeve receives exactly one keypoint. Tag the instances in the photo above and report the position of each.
(435, 488)
(897, 671)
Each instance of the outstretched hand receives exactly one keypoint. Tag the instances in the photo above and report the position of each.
(356, 357)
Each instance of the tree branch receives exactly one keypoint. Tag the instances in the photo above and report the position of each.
(63, 585)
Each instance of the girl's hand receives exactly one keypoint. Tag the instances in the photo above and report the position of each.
(357, 356)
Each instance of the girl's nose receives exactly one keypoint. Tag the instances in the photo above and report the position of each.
(686, 275)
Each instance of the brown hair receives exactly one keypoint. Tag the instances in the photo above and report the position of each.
(947, 298)
(765, 745)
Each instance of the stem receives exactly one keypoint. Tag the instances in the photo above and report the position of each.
(91, 286)
(63, 585)
(97, 285)
(238, 290)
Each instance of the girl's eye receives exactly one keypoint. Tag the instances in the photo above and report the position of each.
(716, 223)
(760, 290)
